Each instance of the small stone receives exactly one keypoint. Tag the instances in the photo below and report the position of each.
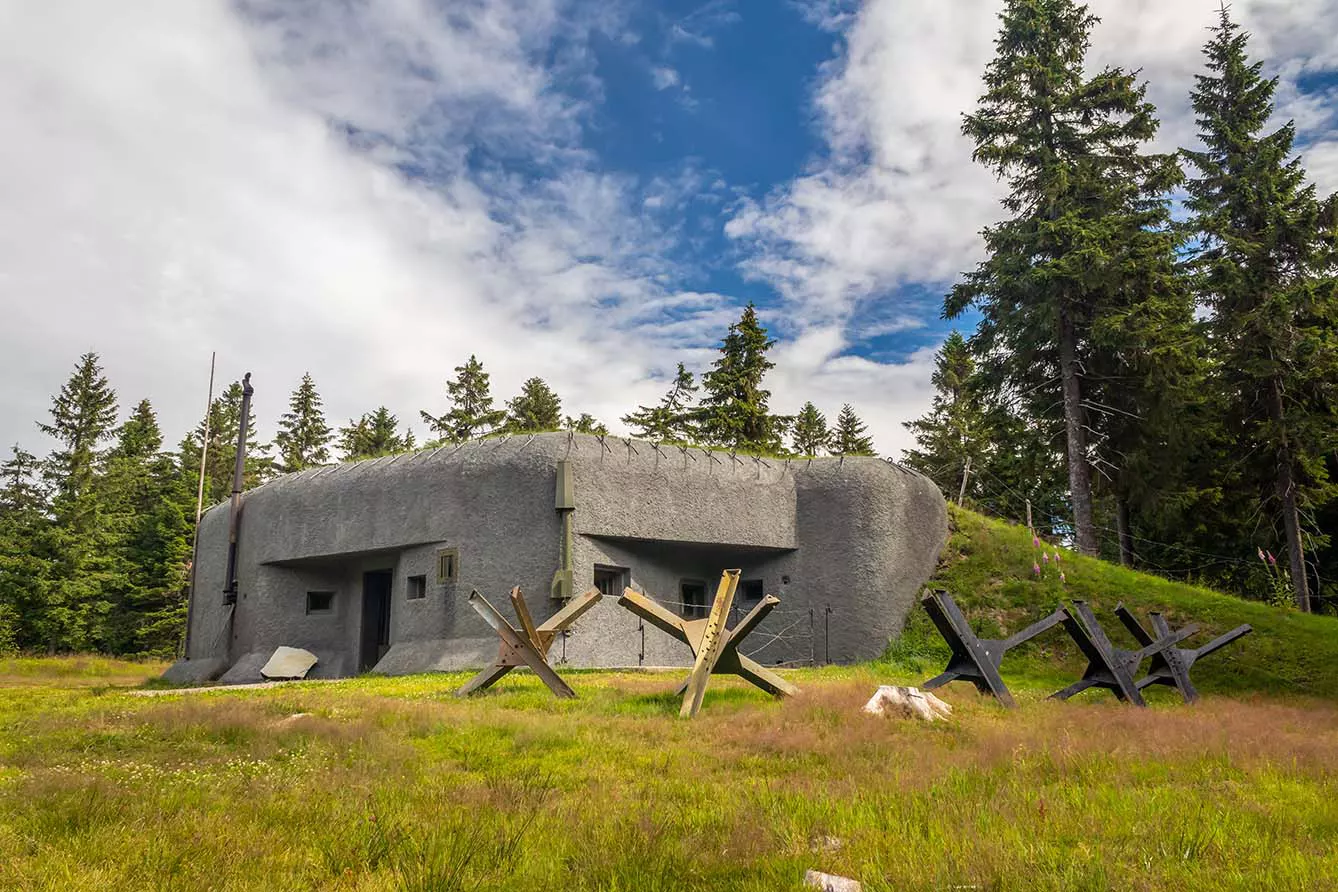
(289, 662)
(904, 702)
(828, 882)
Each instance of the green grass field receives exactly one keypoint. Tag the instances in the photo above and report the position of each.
(381, 783)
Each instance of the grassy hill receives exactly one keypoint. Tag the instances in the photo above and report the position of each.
(988, 567)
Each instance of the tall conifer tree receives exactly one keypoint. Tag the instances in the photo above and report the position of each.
(303, 440)
(471, 413)
(1265, 267)
(535, 409)
(849, 437)
(671, 420)
(374, 435)
(26, 564)
(1087, 205)
(734, 410)
(810, 435)
(956, 430)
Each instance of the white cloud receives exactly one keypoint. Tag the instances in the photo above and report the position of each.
(664, 78)
(186, 183)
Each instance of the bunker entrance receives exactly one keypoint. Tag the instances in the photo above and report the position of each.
(375, 618)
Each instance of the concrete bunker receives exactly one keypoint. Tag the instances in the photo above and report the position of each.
(369, 565)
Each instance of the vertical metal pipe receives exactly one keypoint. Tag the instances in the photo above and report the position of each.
(238, 482)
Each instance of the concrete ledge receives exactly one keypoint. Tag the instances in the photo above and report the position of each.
(437, 655)
(195, 671)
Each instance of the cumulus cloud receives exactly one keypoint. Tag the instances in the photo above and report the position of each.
(309, 187)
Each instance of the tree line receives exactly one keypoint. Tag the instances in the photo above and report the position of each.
(96, 537)
(1157, 353)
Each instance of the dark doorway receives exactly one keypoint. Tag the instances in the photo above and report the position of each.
(375, 618)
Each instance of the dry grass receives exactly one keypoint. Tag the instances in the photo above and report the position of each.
(376, 784)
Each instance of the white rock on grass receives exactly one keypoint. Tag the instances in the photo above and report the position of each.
(289, 662)
(828, 882)
(910, 703)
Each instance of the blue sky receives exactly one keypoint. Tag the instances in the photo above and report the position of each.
(589, 192)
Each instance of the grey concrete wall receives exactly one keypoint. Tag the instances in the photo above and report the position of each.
(860, 535)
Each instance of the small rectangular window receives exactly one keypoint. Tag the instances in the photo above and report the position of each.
(417, 588)
(692, 594)
(448, 564)
(751, 589)
(611, 580)
(320, 602)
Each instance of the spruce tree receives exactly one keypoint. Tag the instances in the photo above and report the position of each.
(26, 554)
(536, 408)
(848, 437)
(670, 421)
(955, 436)
(733, 412)
(1064, 273)
(82, 415)
(586, 424)
(224, 423)
(303, 440)
(374, 435)
(147, 498)
(471, 413)
(810, 434)
(1265, 268)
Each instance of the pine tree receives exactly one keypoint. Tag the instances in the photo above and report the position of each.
(1062, 282)
(810, 433)
(147, 500)
(303, 440)
(848, 437)
(586, 424)
(82, 415)
(670, 421)
(26, 554)
(955, 436)
(471, 413)
(1265, 268)
(374, 435)
(537, 408)
(224, 422)
(734, 412)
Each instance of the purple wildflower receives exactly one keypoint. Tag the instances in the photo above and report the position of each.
(1045, 557)
(1036, 569)
(1272, 560)
(1061, 576)
(1035, 541)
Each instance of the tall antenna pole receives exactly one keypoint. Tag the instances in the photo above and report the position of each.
(199, 507)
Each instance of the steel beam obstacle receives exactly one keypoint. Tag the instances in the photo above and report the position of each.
(528, 645)
(1171, 666)
(714, 647)
(976, 659)
(1108, 666)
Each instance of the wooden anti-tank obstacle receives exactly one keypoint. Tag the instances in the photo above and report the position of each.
(976, 659)
(715, 648)
(528, 645)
